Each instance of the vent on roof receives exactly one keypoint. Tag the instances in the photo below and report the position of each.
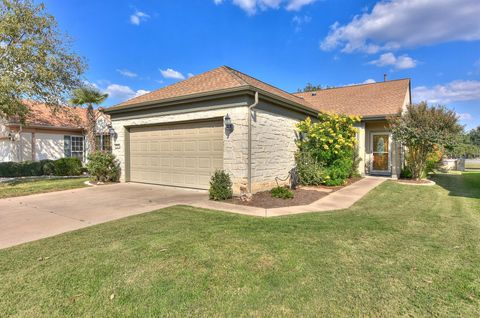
(314, 94)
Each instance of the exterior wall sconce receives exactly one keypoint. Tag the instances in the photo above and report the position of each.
(228, 124)
(112, 131)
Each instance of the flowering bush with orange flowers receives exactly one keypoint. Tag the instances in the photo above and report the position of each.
(326, 149)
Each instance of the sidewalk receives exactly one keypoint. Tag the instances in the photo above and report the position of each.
(339, 200)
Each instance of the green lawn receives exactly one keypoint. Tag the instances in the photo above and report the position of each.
(401, 251)
(19, 188)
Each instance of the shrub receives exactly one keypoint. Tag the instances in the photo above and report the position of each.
(281, 193)
(103, 167)
(67, 167)
(327, 153)
(21, 169)
(309, 170)
(220, 186)
(60, 167)
(48, 167)
(422, 129)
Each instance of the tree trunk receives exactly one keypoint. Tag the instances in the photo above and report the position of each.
(91, 129)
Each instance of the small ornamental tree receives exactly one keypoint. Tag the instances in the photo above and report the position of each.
(421, 129)
(329, 146)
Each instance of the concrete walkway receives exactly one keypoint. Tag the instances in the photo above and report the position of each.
(29, 218)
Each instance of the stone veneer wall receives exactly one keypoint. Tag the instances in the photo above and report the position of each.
(234, 145)
(273, 145)
(273, 141)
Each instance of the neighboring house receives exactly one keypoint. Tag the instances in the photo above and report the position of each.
(180, 134)
(50, 133)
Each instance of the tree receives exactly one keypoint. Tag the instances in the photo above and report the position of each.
(422, 129)
(474, 136)
(312, 88)
(35, 58)
(89, 95)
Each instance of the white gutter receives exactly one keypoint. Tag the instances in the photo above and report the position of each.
(249, 168)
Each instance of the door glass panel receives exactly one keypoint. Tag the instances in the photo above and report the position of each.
(380, 152)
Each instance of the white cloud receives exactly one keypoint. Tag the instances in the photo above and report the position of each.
(389, 59)
(190, 75)
(477, 65)
(369, 81)
(171, 73)
(465, 116)
(295, 5)
(138, 17)
(123, 92)
(456, 91)
(300, 21)
(127, 73)
(251, 6)
(398, 24)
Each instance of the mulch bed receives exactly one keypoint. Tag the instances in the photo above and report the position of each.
(416, 182)
(301, 196)
(264, 199)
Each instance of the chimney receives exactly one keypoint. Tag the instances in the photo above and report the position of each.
(385, 77)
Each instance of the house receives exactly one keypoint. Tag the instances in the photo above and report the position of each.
(50, 133)
(224, 119)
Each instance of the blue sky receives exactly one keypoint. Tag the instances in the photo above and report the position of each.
(137, 46)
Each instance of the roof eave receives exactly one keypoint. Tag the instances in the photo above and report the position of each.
(212, 95)
(177, 100)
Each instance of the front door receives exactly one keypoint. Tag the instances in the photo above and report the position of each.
(381, 153)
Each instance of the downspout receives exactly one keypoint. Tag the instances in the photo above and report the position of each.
(249, 168)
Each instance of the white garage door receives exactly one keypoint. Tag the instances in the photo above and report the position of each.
(182, 155)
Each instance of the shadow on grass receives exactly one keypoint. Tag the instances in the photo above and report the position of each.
(465, 185)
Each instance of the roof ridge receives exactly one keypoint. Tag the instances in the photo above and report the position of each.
(354, 85)
(234, 70)
(231, 71)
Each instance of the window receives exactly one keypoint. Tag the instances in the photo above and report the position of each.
(73, 146)
(104, 142)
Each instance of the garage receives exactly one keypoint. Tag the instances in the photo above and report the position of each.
(182, 154)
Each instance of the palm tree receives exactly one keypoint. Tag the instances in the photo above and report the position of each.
(89, 95)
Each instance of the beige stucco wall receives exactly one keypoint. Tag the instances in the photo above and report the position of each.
(49, 146)
(361, 147)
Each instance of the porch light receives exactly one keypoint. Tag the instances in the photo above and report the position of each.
(112, 131)
(228, 123)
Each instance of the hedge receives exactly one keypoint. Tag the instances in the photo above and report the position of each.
(60, 167)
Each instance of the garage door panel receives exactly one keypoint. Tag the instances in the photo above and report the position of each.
(179, 155)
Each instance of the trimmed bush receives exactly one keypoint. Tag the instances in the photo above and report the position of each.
(103, 167)
(220, 186)
(21, 169)
(68, 167)
(60, 167)
(281, 193)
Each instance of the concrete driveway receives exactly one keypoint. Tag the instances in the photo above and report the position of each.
(33, 217)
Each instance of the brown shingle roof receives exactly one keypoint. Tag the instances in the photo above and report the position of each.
(383, 98)
(369, 99)
(41, 115)
(217, 79)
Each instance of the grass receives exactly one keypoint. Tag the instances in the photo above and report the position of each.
(27, 187)
(401, 251)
